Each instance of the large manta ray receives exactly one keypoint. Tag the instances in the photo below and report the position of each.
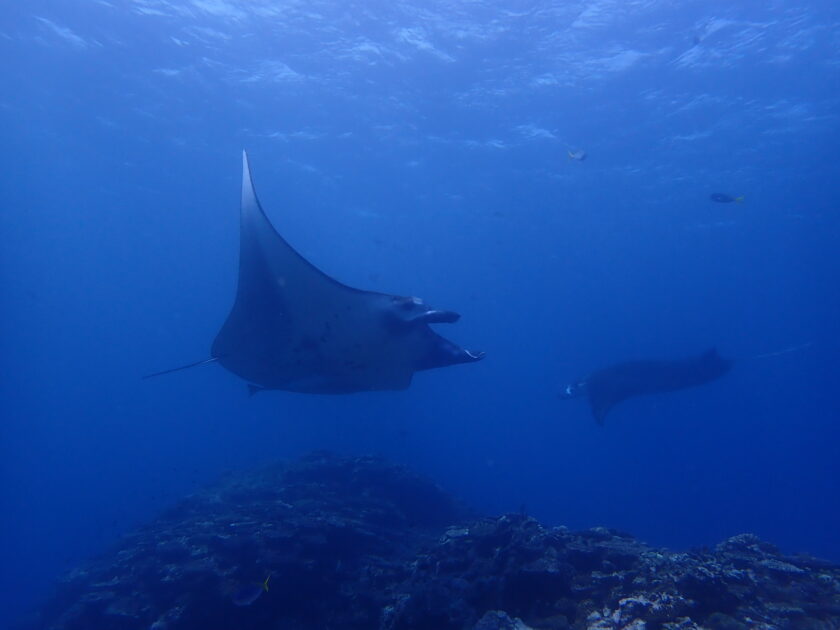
(294, 328)
(607, 387)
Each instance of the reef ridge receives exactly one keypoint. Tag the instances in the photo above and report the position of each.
(357, 543)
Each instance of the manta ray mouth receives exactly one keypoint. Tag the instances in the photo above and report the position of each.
(437, 317)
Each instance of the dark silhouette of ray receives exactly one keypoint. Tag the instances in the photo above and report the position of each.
(609, 386)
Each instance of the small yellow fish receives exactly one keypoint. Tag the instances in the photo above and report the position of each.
(250, 593)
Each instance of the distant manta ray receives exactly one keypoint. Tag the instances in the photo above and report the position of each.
(294, 328)
(609, 386)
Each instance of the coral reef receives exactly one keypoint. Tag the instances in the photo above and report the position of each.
(358, 543)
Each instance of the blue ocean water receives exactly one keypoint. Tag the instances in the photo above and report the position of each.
(420, 148)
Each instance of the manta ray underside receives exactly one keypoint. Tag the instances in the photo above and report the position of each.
(607, 387)
(294, 328)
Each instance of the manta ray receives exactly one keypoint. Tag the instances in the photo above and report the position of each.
(292, 327)
(609, 386)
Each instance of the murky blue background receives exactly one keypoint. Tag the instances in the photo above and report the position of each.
(420, 148)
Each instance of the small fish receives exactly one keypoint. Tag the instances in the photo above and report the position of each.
(724, 198)
(579, 155)
(248, 594)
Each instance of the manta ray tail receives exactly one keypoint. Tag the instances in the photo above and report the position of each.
(183, 367)
(777, 353)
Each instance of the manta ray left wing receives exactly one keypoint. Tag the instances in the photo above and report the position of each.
(292, 327)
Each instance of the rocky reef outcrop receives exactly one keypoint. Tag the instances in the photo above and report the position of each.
(361, 544)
